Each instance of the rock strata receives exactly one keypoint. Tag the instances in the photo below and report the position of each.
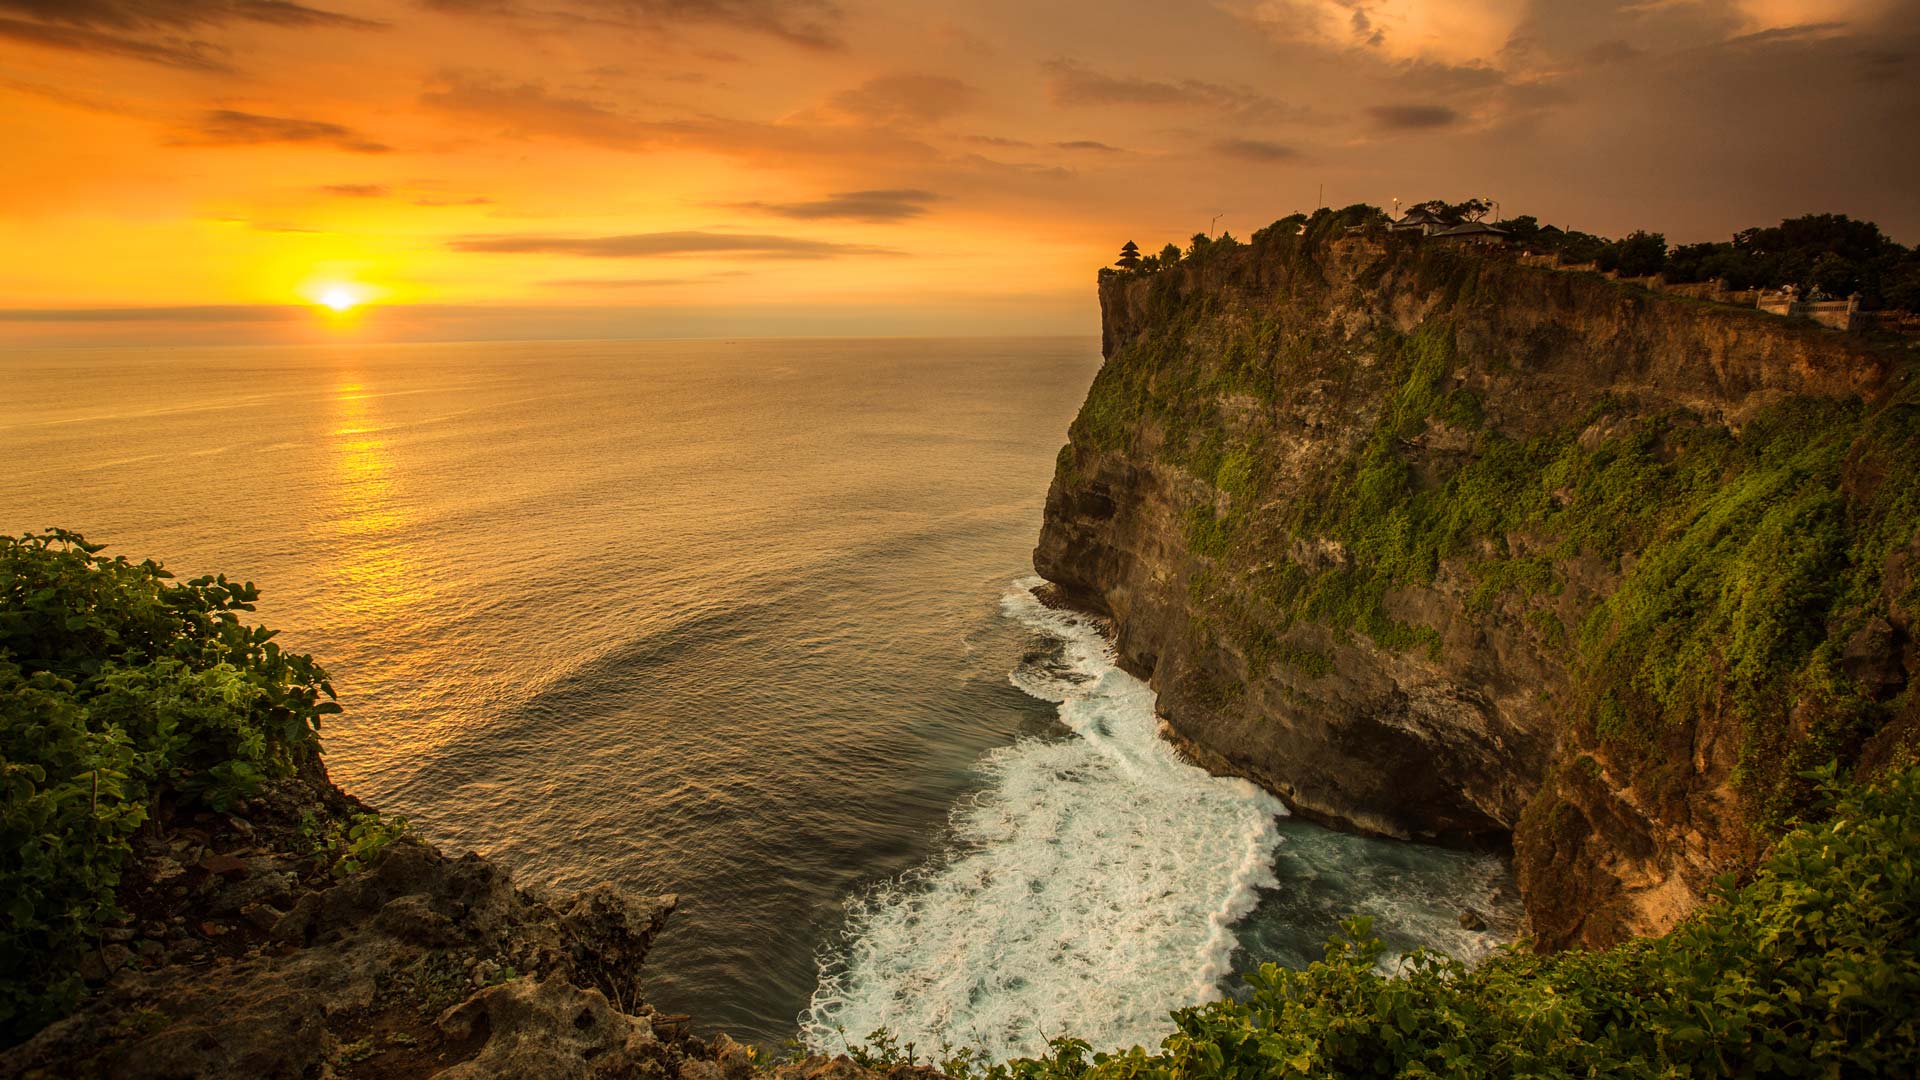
(1273, 422)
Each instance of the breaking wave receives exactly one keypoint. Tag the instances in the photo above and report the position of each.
(1091, 886)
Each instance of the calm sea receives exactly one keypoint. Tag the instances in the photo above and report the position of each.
(741, 621)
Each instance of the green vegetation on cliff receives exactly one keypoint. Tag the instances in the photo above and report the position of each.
(1749, 562)
(1810, 970)
(119, 688)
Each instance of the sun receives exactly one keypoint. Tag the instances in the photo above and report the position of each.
(339, 298)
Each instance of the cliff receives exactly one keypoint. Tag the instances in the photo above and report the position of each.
(1435, 545)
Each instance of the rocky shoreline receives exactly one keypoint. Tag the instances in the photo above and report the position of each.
(254, 949)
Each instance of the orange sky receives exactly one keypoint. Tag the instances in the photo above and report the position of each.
(483, 168)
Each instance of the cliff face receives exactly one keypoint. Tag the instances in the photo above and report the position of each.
(1439, 546)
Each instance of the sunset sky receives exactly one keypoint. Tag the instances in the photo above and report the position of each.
(209, 170)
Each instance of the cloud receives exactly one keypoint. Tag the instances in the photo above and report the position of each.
(1257, 150)
(812, 24)
(356, 191)
(230, 127)
(1070, 83)
(997, 140)
(192, 313)
(192, 55)
(883, 205)
(1413, 117)
(621, 283)
(150, 30)
(906, 99)
(529, 108)
(667, 244)
(178, 14)
(1088, 144)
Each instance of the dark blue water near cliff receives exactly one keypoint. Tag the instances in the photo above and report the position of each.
(734, 621)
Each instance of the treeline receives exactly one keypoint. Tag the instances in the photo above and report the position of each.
(1829, 255)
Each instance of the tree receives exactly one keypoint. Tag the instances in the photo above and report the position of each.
(1170, 255)
(1129, 256)
(1640, 254)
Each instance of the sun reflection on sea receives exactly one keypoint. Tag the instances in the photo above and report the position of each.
(370, 516)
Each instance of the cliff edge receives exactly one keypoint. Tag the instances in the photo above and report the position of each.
(1437, 545)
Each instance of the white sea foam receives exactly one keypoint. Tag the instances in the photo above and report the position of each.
(1091, 886)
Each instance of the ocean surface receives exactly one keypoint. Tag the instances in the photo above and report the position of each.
(748, 622)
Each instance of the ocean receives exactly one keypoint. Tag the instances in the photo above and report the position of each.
(748, 622)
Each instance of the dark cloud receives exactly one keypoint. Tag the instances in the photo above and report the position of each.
(1611, 52)
(152, 30)
(906, 99)
(1070, 83)
(1413, 117)
(667, 244)
(356, 191)
(124, 15)
(230, 127)
(1088, 144)
(1257, 150)
(192, 55)
(998, 140)
(885, 205)
(813, 24)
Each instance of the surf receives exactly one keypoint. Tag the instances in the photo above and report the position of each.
(1090, 886)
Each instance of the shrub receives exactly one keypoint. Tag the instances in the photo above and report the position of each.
(1809, 970)
(119, 687)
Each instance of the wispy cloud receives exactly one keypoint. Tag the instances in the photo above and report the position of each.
(230, 127)
(812, 24)
(882, 205)
(178, 14)
(527, 108)
(668, 244)
(1071, 83)
(622, 283)
(906, 99)
(192, 313)
(1088, 144)
(1256, 150)
(356, 191)
(1413, 117)
(150, 30)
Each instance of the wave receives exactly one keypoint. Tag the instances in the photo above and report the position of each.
(1091, 886)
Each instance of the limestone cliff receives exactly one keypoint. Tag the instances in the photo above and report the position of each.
(1437, 545)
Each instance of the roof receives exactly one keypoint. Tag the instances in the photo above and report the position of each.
(1472, 228)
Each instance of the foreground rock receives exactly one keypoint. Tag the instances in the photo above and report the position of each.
(248, 957)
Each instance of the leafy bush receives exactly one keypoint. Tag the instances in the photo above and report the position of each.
(119, 687)
(1809, 970)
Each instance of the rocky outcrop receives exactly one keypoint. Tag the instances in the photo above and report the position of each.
(1348, 505)
(253, 949)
